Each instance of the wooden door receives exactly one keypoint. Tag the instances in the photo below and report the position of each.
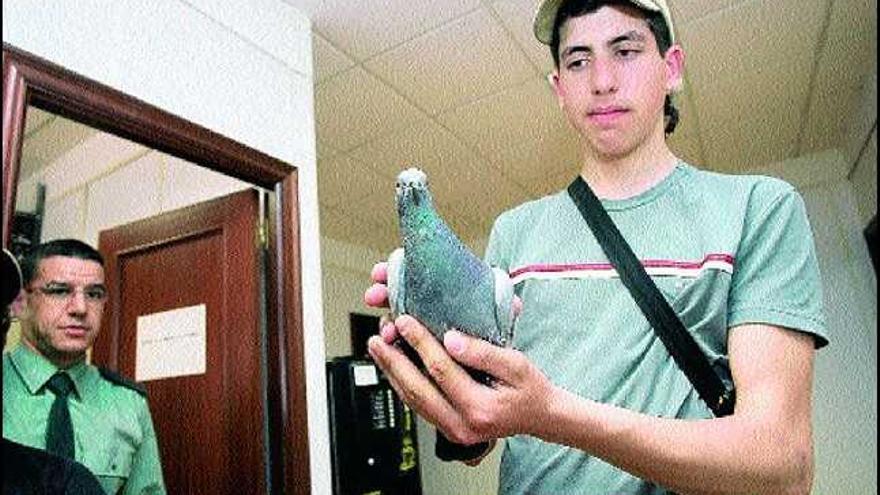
(210, 427)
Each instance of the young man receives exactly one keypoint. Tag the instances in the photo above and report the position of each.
(590, 400)
(28, 471)
(52, 398)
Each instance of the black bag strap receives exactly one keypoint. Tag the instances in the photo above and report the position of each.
(660, 315)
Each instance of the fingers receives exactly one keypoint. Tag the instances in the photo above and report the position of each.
(376, 296)
(387, 330)
(412, 386)
(503, 364)
(447, 374)
(379, 272)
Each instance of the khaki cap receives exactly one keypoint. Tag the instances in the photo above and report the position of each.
(546, 17)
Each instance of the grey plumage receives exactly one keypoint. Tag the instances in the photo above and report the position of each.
(437, 279)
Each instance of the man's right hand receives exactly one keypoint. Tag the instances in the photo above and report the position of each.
(377, 296)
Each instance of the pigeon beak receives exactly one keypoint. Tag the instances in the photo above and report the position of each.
(409, 192)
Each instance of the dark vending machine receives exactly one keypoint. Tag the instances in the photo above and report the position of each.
(373, 434)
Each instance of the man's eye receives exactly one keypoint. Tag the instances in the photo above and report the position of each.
(96, 293)
(57, 290)
(577, 63)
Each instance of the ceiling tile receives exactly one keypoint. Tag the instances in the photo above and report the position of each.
(342, 226)
(328, 60)
(686, 11)
(429, 147)
(751, 94)
(343, 179)
(48, 138)
(517, 16)
(521, 131)
(355, 107)
(844, 67)
(469, 58)
(468, 191)
(34, 119)
(363, 29)
(90, 159)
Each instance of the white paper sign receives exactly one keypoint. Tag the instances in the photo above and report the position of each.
(171, 343)
(365, 375)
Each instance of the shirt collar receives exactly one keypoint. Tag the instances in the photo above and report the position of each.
(35, 370)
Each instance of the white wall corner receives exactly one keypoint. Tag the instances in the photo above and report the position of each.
(864, 119)
(809, 170)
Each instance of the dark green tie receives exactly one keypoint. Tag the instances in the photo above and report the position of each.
(59, 432)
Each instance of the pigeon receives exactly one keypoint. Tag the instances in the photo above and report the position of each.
(437, 280)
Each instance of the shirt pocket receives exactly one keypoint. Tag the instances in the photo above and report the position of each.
(114, 467)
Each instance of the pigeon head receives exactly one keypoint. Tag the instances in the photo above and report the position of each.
(412, 188)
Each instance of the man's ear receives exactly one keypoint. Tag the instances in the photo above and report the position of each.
(674, 59)
(19, 304)
(553, 79)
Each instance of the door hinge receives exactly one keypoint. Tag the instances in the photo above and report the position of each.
(263, 234)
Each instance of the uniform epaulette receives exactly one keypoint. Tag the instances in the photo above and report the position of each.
(116, 378)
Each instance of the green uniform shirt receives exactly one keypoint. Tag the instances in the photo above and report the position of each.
(724, 250)
(113, 430)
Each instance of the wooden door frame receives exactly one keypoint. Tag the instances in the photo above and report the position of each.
(29, 80)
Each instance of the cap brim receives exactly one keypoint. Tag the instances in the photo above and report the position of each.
(545, 18)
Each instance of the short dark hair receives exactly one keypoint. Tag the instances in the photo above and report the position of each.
(656, 23)
(71, 248)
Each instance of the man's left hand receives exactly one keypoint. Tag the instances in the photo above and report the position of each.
(466, 411)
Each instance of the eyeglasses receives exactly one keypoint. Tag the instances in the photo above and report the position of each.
(61, 292)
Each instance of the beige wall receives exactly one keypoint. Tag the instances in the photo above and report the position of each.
(861, 149)
(346, 270)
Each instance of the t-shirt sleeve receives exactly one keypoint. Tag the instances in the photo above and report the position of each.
(776, 275)
(495, 250)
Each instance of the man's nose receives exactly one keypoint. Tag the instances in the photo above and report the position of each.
(76, 303)
(603, 76)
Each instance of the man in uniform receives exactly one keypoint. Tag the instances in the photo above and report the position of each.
(53, 399)
(27, 470)
(590, 400)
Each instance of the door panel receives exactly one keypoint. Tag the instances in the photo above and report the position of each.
(209, 426)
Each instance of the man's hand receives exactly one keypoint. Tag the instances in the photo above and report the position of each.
(377, 296)
(466, 411)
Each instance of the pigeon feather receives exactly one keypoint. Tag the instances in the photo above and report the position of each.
(436, 279)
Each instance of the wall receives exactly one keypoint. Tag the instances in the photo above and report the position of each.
(860, 148)
(242, 69)
(346, 270)
(845, 392)
(845, 400)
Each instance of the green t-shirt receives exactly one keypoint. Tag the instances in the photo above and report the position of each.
(113, 430)
(724, 250)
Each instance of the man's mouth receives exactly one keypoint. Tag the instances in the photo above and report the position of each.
(606, 115)
(75, 330)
